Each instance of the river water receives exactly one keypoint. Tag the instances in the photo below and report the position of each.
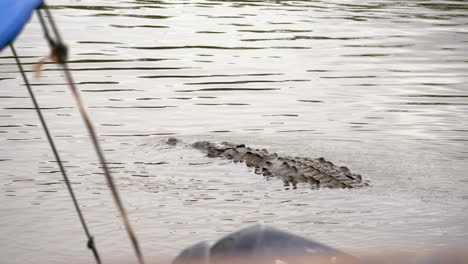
(379, 86)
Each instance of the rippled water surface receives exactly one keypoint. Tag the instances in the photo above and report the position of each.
(378, 86)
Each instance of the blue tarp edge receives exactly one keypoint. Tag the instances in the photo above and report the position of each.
(14, 14)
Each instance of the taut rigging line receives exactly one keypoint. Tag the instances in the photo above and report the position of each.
(59, 55)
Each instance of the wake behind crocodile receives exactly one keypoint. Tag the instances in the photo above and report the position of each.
(318, 172)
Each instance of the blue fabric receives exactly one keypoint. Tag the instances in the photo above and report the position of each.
(14, 14)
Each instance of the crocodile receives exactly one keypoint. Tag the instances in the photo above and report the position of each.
(319, 172)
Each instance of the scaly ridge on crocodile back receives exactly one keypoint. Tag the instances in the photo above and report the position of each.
(318, 172)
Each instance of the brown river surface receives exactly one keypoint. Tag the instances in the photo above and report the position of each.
(379, 86)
